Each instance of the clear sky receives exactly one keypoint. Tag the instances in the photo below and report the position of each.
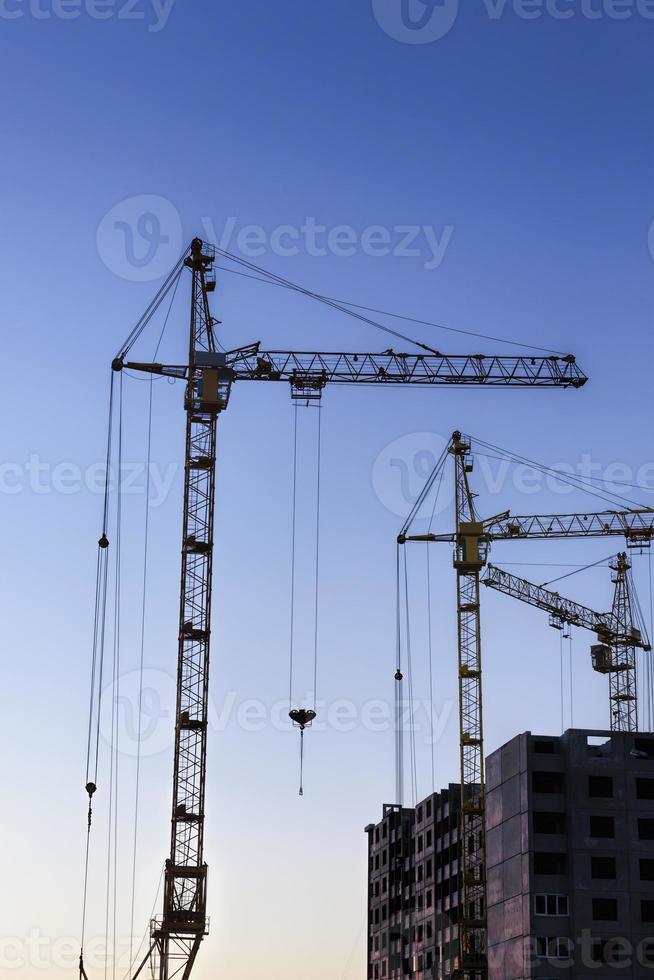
(492, 166)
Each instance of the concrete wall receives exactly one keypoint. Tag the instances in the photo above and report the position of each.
(507, 842)
(553, 855)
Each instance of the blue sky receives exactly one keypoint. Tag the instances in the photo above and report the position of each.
(515, 151)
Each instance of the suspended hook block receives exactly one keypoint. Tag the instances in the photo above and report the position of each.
(302, 717)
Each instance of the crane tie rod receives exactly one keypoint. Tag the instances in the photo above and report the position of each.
(327, 301)
(396, 316)
(150, 311)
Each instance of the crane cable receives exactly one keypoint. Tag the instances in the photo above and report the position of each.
(396, 316)
(649, 674)
(293, 560)
(112, 847)
(334, 304)
(412, 730)
(171, 281)
(303, 718)
(584, 568)
(430, 637)
(638, 618)
(572, 705)
(317, 560)
(562, 684)
(577, 482)
(97, 669)
(144, 580)
(435, 479)
(399, 679)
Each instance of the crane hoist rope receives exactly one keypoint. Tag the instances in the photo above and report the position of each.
(97, 671)
(410, 678)
(405, 681)
(399, 689)
(303, 717)
(111, 908)
(144, 591)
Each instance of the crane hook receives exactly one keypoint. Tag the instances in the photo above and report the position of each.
(302, 718)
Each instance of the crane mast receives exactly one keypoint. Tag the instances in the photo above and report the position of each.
(210, 374)
(176, 936)
(469, 559)
(618, 659)
(615, 654)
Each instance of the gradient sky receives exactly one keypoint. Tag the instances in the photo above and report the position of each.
(523, 144)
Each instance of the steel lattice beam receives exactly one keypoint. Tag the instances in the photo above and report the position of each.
(637, 526)
(565, 610)
(184, 920)
(619, 638)
(622, 673)
(310, 370)
(468, 562)
(393, 368)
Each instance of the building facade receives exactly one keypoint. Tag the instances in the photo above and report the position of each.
(570, 846)
(570, 866)
(413, 889)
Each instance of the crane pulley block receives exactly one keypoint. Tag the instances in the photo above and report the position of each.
(308, 385)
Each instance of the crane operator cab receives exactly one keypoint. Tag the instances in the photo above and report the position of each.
(212, 382)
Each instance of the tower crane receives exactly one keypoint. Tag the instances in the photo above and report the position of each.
(210, 375)
(472, 540)
(615, 653)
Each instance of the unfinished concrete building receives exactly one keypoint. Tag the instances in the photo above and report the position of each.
(570, 845)
(570, 866)
(413, 889)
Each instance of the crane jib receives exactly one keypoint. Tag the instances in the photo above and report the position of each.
(310, 368)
